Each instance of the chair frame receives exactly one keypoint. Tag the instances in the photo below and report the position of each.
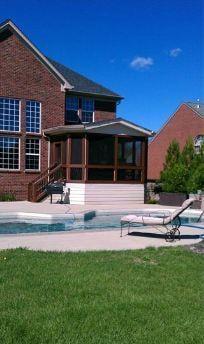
(172, 228)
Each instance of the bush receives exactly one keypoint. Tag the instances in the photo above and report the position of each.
(152, 201)
(7, 197)
(183, 171)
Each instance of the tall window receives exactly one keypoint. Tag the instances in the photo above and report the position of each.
(72, 108)
(9, 114)
(9, 153)
(32, 154)
(33, 114)
(87, 110)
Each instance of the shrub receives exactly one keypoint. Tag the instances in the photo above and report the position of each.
(183, 171)
(152, 201)
(7, 197)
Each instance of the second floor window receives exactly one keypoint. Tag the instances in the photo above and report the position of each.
(87, 110)
(9, 114)
(72, 108)
(33, 116)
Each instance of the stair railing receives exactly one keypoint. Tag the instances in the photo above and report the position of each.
(37, 188)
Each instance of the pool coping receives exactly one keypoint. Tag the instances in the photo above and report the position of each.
(86, 215)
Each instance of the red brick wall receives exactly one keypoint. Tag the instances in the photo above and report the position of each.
(184, 123)
(23, 76)
(103, 115)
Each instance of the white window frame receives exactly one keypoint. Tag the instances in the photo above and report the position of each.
(87, 110)
(13, 131)
(19, 155)
(39, 155)
(40, 118)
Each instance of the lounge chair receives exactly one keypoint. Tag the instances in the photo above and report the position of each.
(171, 222)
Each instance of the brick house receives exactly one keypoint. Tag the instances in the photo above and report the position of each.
(56, 123)
(186, 122)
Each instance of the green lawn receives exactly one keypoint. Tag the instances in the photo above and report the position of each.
(145, 296)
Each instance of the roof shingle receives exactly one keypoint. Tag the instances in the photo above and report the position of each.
(81, 83)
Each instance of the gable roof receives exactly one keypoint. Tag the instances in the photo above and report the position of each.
(194, 106)
(122, 121)
(69, 79)
(197, 107)
(97, 125)
(81, 83)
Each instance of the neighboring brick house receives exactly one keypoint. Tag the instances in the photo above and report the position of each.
(37, 95)
(186, 122)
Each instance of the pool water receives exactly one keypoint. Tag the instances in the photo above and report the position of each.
(99, 222)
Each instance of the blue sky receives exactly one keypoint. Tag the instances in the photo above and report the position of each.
(150, 52)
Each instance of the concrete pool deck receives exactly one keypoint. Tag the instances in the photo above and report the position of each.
(86, 241)
(96, 241)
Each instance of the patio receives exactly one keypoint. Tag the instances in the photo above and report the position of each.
(86, 241)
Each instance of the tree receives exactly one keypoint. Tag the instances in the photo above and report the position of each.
(183, 171)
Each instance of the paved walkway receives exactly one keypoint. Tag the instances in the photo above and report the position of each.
(95, 241)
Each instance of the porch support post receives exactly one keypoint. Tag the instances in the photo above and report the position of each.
(86, 156)
(116, 159)
(68, 159)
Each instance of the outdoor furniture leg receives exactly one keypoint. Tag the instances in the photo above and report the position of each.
(121, 230)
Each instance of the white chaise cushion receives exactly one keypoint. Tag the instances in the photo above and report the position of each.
(146, 220)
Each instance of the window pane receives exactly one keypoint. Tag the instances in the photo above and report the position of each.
(87, 116)
(87, 109)
(126, 174)
(32, 116)
(9, 114)
(72, 107)
(9, 153)
(32, 154)
(100, 174)
(76, 150)
(101, 150)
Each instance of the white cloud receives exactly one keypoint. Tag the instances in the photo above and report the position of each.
(175, 52)
(140, 62)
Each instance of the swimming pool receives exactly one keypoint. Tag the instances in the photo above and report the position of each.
(95, 223)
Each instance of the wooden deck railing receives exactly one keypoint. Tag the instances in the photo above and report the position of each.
(36, 188)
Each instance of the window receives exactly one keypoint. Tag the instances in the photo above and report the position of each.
(198, 142)
(9, 114)
(9, 153)
(129, 152)
(87, 110)
(72, 107)
(33, 115)
(32, 154)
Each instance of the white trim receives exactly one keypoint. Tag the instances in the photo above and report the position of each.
(135, 127)
(34, 154)
(66, 85)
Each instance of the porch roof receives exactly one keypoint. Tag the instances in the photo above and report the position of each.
(113, 126)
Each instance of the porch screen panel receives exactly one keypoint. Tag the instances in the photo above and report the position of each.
(101, 150)
(76, 150)
(138, 153)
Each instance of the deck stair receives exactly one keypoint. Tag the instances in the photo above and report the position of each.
(37, 187)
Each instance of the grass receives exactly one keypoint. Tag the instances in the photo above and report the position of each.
(145, 296)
